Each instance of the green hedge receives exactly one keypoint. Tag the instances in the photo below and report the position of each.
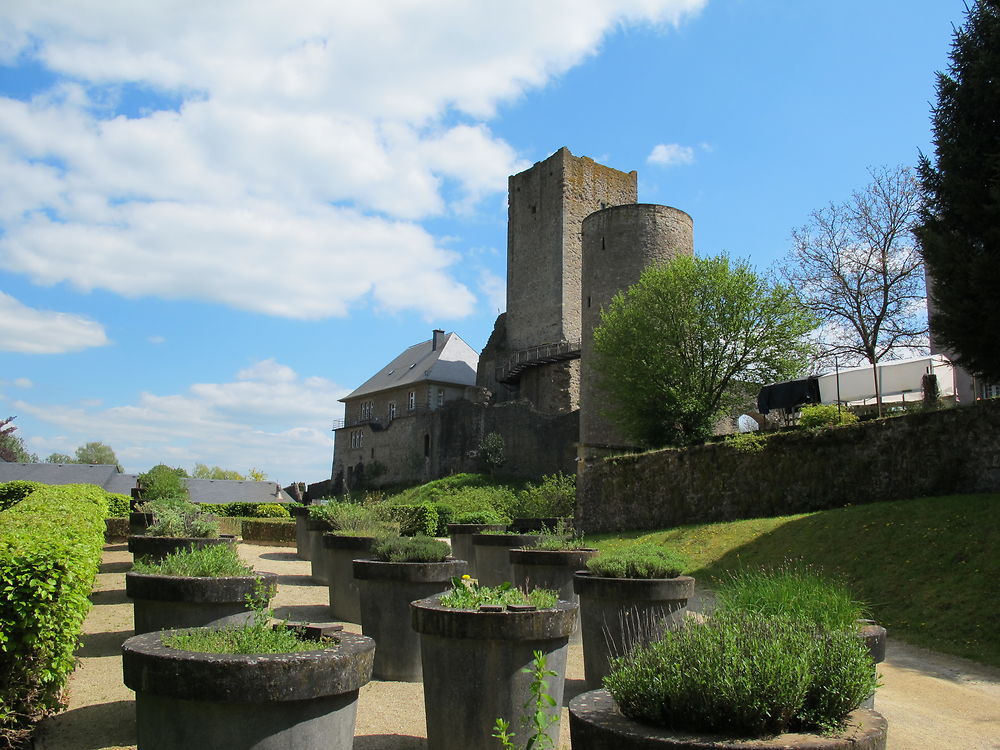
(14, 492)
(420, 518)
(118, 505)
(247, 510)
(268, 530)
(50, 550)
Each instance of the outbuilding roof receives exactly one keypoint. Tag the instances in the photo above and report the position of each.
(106, 476)
(444, 358)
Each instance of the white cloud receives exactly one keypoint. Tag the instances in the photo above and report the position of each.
(156, 339)
(671, 155)
(495, 290)
(29, 331)
(299, 150)
(268, 417)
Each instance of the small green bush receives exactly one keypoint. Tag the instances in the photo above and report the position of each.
(639, 561)
(413, 519)
(744, 673)
(445, 515)
(410, 549)
(213, 561)
(272, 510)
(465, 594)
(553, 497)
(354, 519)
(825, 415)
(266, 530)
(747, 442)
(794, 590)
(14, 492)
(50, 549)
(180, 519)
(247, 510)
(118, 505)
(489, 516)
(162, 483)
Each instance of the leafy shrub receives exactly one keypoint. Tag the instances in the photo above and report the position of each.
(825, 415)
(744, 673)
(465, 594)
(180, 519)
(355, 519)
(268, 530)
(445, 515)
(214, 561)
(553, 497)
(413, 519)
(797, 591)
(272, 510)
(410, 549)
(118, 505)
(747, 442)
(463, 492)
(479, 516)
(247, 510)
(50, 549)
(14, 492)
(639, 561)
(162, 483)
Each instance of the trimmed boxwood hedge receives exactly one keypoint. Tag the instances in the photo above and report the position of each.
(14, 492)
(247, 510)
(420, 518)
(268, 530)
(50, 550)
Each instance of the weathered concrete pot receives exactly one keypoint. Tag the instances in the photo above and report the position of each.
(612, 608)
(301, 515)
(492, 553)
(472, 668)
(315, 529)
(163, 602)
(550, 569)
(186, 699)
(386, 590)
(139, 522)
(595, 723)
(874, 637)
(339, 553)
(461, 541)
(153, 548)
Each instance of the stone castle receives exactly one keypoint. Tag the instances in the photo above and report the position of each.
(576, 235)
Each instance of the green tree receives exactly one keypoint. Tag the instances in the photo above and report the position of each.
(692, 341)
(959, 229)
(257, 475)
(492, 451)
(95, 453)
(163, 482)
(203, 471)
(11, 446)
(60, 458)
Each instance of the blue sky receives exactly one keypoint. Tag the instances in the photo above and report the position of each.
(216, 222)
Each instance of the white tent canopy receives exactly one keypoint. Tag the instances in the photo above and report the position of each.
(900, 380)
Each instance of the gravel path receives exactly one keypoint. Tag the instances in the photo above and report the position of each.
(932, 701)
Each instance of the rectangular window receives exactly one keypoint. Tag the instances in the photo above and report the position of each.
(440, 396)
(411, 400)
(392, 410)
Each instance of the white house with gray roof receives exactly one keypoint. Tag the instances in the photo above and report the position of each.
(380, 428)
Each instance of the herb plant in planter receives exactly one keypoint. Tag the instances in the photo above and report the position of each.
(177, 525)
(478, 641)
(207, 586)
(469, 523)
(401, 569)
(625, 593)
(247, 686)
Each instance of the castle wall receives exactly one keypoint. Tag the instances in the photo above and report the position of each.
(918, 455)
(619, 243)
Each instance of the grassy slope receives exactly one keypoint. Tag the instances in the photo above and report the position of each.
(928, 569)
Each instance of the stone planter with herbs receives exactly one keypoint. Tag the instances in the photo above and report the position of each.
(461, 540)
(474, 663)
(339, 553)
(615, 603)
(492, 553)
(401, 570)
(551, 569)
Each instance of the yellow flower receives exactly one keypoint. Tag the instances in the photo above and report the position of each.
(466, 577)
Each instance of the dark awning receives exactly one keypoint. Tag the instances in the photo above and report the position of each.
(788, 395)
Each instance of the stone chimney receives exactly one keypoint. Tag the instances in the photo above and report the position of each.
(437, 340)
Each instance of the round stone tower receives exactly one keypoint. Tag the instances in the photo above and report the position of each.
(619, 243)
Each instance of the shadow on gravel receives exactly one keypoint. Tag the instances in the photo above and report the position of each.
(103, 644)
(281, 556)
(111, 596)
(573, 688)
(297, 580)
(389, 742)
(76, 728)
(115, 567)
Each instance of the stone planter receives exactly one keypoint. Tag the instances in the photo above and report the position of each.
(163, 602)
(139, 522)
(874, 637)
(610, 608)
(301, 515)
(186, 699)
(315, 530)
(595, 723)
(492, 553)
(153, 548)
(550, 569)
(339, 554)
(386, 590)
(472, 664)
(461, 541)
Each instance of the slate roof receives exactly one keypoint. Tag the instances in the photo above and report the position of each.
(453, 361)
(218, 491)
(103, 475)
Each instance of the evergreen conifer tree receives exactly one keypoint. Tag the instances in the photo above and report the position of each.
(960, 222)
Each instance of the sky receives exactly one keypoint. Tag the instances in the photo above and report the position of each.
(217, 219)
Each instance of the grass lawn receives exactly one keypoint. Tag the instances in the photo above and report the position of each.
(927, 569)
